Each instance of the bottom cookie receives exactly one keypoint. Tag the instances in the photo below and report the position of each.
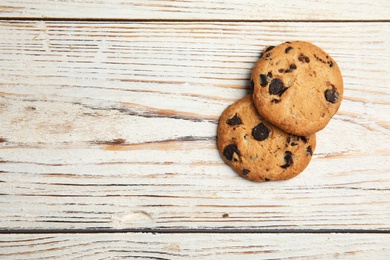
(257, 150)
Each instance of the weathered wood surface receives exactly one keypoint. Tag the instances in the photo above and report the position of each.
(194, 246)
(112, 125)
(277, 10)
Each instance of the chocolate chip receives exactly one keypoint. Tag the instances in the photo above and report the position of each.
(288, 139)
(309, 150)
(304, 139)
(269, 74)
(235, 120)
(288, 159)
(269, 48)
(292, 67)
(331, 95)
(319, 59)
(266, 179)
(330, 64)
(245, 171)
(303, 58)
(289, 48)
(280, 70)
(276, 87)
(276, 101)
(294, 143)
(230, 150)
(281, 93)
(263, 80)
(260, 132)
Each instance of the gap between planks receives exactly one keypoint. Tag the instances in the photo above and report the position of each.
(113, 20)
(197, 231)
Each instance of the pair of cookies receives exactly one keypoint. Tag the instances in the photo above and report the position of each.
(270, 135)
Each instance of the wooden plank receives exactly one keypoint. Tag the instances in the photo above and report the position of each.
(198, 10)
(194, 246)
(110, 126)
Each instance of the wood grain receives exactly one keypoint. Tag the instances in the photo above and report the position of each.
(194, 246)
(112, 125)
(276, 10)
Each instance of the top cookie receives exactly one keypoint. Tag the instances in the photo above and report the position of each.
(297, 87)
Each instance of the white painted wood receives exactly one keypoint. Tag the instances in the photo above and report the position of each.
(194, 246)
(200, 9)
(112, 125)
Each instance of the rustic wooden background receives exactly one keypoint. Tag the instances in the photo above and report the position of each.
(108, 116)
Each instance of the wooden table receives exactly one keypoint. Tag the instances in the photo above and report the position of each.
(108, 116)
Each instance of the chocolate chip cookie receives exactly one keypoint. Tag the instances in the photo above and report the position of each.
(256, 149)
(297, 87)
